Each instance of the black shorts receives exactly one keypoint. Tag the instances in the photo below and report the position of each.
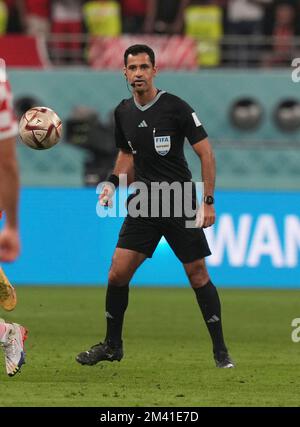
(143, 235)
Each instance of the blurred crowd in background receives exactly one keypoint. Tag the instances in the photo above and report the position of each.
(239, 25)
(245, 17)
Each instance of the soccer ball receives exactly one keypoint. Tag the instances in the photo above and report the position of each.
(40, 128)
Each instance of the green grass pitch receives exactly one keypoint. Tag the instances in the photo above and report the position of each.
(168, 360)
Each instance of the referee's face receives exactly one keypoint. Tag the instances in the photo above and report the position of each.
(139, 72)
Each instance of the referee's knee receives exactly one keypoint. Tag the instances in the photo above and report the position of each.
(197, 274)
(198, 280)
(117, 278)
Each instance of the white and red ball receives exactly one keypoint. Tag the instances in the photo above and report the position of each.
(40, 128)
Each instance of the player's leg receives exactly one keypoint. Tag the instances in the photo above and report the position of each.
(8, 297)
(12, 337)
(210, 306)
(138, 239)
(191, 248)
(124, 264)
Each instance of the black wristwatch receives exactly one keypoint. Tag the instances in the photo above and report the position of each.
(209, 200)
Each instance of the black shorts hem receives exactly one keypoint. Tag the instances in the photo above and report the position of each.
(188, 258)
(134, 248)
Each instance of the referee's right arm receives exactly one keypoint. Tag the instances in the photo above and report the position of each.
(124, 165)
(124, 162)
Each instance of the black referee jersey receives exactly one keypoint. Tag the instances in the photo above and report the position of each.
(155, 135)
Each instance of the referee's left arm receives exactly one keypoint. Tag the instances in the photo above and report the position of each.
(203, 149)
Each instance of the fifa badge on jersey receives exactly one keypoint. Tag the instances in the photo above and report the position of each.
(162, 144)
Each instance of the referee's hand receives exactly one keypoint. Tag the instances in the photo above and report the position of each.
(206, 216)
(105, 198)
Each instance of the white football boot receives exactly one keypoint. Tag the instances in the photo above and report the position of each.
(13, 347)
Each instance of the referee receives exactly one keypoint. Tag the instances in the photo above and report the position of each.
(150, 129)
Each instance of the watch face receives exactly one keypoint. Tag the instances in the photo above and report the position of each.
(209, 200)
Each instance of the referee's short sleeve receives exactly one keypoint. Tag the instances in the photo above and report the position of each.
(191, 125)
(120, 139)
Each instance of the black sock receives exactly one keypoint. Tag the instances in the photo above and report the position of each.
(209, 303)
(116, 304)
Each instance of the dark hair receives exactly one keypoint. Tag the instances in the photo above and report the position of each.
(139, 48)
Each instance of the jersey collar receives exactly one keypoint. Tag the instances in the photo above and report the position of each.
(154, 100)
